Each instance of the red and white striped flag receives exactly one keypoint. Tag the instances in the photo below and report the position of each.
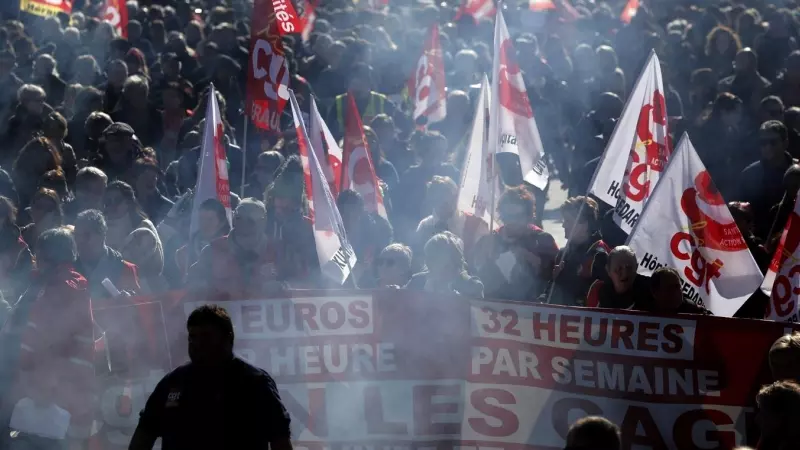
(327, 150)
(308, 19)
(359, 171)
(478, 9)
(212, 176)
(336, 256)
(512, 127)
(427, 84)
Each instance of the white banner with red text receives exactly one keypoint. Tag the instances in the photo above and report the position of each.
(400, 369)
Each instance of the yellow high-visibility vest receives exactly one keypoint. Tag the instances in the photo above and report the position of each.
(374, 107)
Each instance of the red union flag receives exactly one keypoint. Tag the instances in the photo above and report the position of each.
(478, 9)
(116, 13)
(308, 19)
(427, 83)
(268, 74)
(45, 8)
(327, 150)
(686, 225)
(336, 256)
(512, 127)
(782, 282)
(638, 150)
(630, 10)
(212, 175)
(359, 172)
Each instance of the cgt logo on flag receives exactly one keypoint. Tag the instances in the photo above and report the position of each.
(513, 94)
(699, 203)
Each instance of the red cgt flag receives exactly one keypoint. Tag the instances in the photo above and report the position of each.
(116, 13)
(630, 10)
(268, 74)
(426, 87)
(359, 172)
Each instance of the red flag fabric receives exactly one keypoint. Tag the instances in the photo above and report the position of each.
(478, 9)
(212, 178)
(427, 84)
(268, 74)
(116, 13)
(308, 19)
(541, 5)
(630, 10)
(359, 173)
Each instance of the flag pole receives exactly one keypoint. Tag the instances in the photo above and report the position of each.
(244, 155)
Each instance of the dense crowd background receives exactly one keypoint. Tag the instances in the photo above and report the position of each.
(101, 134)
(100, 137)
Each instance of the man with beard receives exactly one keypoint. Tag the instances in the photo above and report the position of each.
(215, 401)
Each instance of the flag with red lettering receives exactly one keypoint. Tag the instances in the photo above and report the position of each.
(268, 73)
(638, 150)
(307, 20)
(359, 172)
(630, 10)
(212, 175)
(512, 127)
(327, 150)
(476, 189)
(686, 225)
(45, 8)
(478, 9)
(116, 14)
(427, 84)
(783, 278)
(336, 256)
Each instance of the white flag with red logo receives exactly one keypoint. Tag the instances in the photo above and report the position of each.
(782, 283)
(476, 190)
(359, 172)
(212, 175)
(638, 150)
(427, 84)
(115, 12)
(512, 127)
(336, 256)
(686, 225)
(478, 9)
(327, 150)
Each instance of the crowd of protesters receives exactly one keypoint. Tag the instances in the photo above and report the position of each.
(100, 139)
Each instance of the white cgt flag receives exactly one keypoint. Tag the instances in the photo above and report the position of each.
(212, 176)
(322, 140)
(427, 84)
(782, 283)
(686, 225)
(475, 192)
(512, 127)
(336, 256)
(638, 150)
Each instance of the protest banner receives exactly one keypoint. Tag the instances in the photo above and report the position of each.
(45, 8)
(401, 369)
